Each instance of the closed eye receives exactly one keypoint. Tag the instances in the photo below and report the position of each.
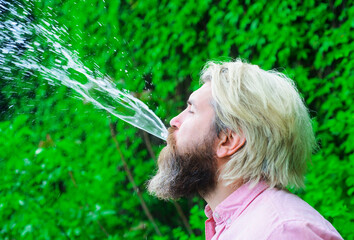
(189, 107)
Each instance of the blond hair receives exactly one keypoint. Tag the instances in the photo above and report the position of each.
(266, 108)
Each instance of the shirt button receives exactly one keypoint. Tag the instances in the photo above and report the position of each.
(228, 221)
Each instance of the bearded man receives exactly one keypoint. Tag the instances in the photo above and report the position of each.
(244, 137)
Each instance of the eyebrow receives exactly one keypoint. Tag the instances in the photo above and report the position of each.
(192, 103)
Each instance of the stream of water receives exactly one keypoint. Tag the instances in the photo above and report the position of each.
(19, 51)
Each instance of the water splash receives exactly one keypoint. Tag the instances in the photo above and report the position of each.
(17, 51)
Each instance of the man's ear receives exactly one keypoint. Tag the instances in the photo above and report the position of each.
(229, 143)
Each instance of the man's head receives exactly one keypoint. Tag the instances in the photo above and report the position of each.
(251, 124)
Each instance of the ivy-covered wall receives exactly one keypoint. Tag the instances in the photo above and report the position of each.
(62, 176)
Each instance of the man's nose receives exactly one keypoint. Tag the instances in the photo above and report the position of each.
(176, 122)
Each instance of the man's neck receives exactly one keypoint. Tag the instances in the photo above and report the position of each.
(220, 193)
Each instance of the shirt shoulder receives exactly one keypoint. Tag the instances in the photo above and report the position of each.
(275, 213)
(297, 229)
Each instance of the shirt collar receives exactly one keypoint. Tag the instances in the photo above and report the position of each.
(235, 203)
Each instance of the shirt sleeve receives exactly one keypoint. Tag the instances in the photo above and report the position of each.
(303, 230)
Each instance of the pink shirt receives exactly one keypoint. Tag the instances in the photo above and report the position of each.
(263, 213)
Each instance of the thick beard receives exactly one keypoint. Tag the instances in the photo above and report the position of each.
(185, 174)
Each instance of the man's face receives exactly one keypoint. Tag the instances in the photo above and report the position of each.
(187, 165)
(194, 123)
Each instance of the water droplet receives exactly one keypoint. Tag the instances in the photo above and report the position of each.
(38, 151)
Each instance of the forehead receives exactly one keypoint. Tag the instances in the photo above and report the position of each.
(202, 95)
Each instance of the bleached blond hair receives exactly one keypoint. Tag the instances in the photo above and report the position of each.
(266, 108)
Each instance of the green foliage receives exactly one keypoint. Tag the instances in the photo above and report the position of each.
(61, 175)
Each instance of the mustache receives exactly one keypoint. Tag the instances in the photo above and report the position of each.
(170, 148)
(171, 130)
(171, 139)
